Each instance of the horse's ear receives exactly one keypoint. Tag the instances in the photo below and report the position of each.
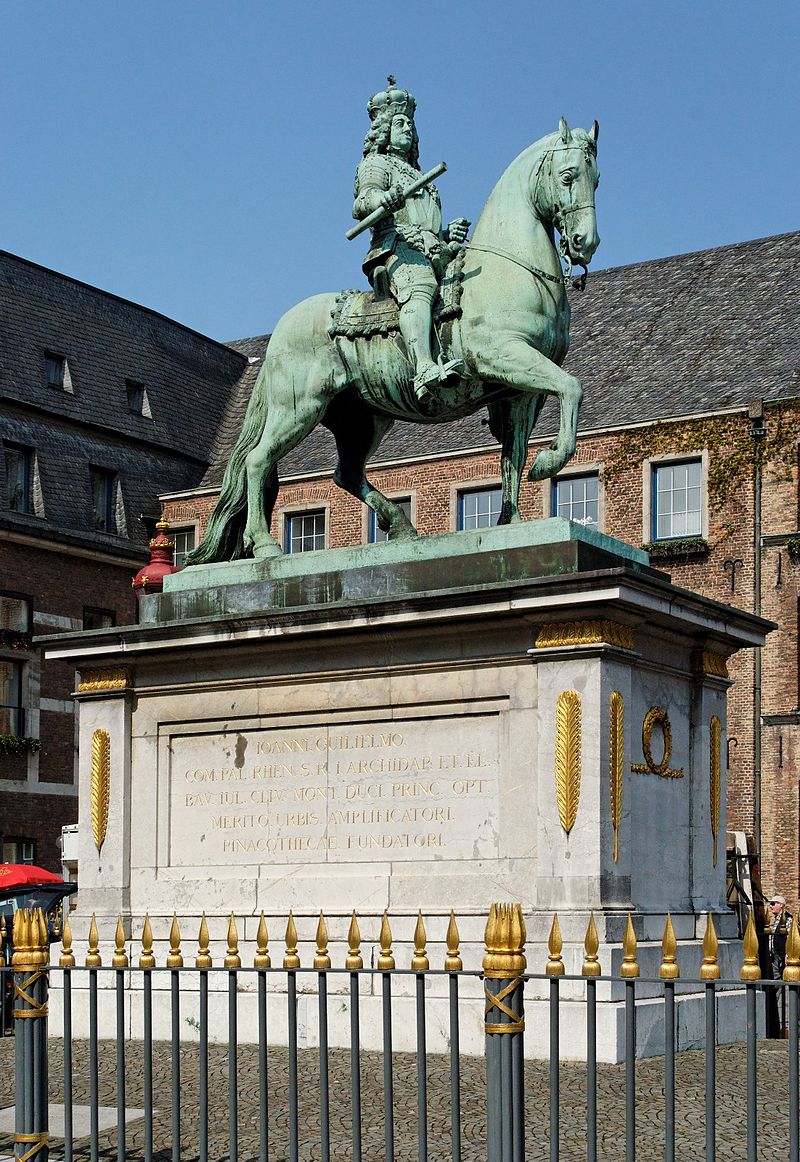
(594, 133)
(565, 131)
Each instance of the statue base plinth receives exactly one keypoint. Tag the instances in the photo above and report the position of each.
(412, 727)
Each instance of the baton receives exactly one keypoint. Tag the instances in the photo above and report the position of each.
(382, 212)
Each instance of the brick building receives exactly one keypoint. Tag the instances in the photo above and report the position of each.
(103, 404)
(688, 443)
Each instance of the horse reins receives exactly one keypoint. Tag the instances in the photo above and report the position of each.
(559, 213)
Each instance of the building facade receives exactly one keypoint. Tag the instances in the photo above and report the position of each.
(103, 404)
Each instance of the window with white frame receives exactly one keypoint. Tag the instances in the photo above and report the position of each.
(576, 498)
(184, 543)
(305, 531)
(677, 500)
(376, 533)
(479, 508)
(18, 850)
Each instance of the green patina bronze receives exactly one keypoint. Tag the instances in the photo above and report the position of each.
(483, 323)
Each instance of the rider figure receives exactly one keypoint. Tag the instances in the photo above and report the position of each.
(408, 241)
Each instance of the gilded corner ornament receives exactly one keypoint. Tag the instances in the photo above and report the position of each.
(100, 785)
(585, 633)
(568, 757)
(715, 777)
(616, 761)
(100, 681)
(657, 716)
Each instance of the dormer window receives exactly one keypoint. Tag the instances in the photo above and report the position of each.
(57, 372)
(138, 402)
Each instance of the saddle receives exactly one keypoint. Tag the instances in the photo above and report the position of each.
(362, 314)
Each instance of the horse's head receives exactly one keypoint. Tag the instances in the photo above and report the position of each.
(564, 190)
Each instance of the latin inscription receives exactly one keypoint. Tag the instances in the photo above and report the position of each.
(422, 789)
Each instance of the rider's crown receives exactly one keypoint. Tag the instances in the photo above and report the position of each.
(398, 100)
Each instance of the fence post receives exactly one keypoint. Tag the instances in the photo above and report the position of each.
(31, 956)
(503, 966)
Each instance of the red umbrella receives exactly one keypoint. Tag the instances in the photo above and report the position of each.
(19, 875)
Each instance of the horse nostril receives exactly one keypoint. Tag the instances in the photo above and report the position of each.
(577, 239)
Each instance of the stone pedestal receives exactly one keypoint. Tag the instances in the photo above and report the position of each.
(529, 713)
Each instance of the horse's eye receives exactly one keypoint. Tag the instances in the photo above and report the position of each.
(567, 179)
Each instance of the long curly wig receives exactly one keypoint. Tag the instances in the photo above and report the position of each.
(377, 139)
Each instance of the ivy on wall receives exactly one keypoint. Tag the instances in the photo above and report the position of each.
(732, 451)
(16, 744)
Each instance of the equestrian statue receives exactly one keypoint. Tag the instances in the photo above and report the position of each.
(449, 326)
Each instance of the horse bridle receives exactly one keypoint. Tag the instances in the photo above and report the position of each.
(558, 219)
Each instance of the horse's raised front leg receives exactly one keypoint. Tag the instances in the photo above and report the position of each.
(519, 365)
(511, 422)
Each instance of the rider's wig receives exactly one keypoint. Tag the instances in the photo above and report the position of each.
(377, 139)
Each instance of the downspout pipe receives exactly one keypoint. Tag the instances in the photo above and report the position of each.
(758, 431)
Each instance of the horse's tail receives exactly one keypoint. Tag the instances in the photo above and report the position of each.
(224, 536)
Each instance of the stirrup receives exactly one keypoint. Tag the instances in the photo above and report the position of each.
(425, 379)
(450, 371)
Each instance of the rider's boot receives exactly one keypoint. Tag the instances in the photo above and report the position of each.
(415, 327)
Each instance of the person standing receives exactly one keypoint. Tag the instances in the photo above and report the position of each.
(779, 922)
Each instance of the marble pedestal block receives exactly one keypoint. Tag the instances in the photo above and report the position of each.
(528, 713)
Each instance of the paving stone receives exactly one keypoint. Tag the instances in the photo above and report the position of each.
(690, 1112)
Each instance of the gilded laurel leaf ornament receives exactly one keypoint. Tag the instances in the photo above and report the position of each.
(568, 757)
(101, 785)
(97, 681)
(714, 778)
(616, 761)
(585, 633)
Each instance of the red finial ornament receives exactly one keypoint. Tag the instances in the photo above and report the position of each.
(150, 578)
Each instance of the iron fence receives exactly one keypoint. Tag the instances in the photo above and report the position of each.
(323, 1102)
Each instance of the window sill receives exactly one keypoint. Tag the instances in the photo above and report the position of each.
(680, 549)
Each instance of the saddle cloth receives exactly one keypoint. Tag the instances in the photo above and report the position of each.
(359, 314)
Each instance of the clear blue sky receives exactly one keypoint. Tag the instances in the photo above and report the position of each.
(197, 156)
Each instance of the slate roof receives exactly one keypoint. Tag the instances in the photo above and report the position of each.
(105, 340)
(700, 332)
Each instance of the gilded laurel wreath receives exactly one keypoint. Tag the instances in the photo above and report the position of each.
(616, 760)
(101, 784)
(715, 765)
(568, 757)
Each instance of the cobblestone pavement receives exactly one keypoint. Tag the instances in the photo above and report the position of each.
(690, 1114)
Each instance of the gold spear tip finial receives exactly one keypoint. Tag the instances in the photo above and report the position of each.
(322, 960)
(354, 960)
(669, 969)
(203, 959)
(750, 967)
(262, 958)
(453, 961)
(419, 961)
(386, 961)
(291, 959)
(591, 945)
(630, 966)
(709, 969)
(555, 943)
